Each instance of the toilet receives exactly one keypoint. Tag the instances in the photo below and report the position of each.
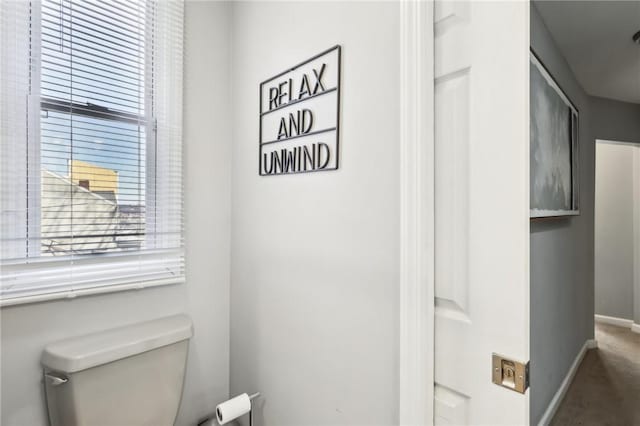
(129, 375)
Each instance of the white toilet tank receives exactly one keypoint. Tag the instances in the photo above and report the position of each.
(126, 376)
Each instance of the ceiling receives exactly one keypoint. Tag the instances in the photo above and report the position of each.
(595, 38)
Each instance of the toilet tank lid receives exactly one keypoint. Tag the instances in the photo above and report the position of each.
(91, 350)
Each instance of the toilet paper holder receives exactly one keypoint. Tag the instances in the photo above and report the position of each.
(251, 398)
(233, 409)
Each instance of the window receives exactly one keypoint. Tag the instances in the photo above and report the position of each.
(91, 190)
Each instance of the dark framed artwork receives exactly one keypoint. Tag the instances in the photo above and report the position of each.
(554, 183)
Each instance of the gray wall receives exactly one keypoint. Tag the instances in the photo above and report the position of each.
(562, 250)
(614, 120)
(636, 207)
(314, 300)
(614, 225)
(205, 297)
(562, 292)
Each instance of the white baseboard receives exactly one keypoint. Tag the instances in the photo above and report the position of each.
(635, 328)
(620, 322)
(564, 386)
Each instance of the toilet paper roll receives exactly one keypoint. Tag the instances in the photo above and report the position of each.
(233, 408)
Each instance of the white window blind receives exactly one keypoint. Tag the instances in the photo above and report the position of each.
(91, 114)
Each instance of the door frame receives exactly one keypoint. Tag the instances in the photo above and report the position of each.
(417, 211)
(416, 390)
(635, 325)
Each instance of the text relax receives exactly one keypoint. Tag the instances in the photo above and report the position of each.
(304, 157)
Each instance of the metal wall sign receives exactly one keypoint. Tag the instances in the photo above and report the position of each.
(300, 117)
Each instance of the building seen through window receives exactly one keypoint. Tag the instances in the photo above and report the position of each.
(92, 127)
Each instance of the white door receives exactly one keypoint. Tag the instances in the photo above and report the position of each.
(481, 208)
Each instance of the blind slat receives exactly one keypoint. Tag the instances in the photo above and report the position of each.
(93, 77)
(101, 13)
(79, 69)
(91, 26)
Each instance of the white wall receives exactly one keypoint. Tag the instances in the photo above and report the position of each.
(314, 313)
(205, 297)
(614, 229)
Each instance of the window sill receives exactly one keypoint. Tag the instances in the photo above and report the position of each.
(72, 294)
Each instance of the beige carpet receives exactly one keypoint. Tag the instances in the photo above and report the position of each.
(606, 388)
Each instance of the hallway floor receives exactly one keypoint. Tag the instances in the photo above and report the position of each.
(606, 388)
